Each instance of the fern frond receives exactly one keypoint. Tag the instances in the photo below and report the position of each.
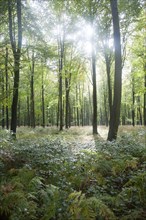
(88, 208)
(50, 198)
(77, 206)
(134, 215)
(101, 209)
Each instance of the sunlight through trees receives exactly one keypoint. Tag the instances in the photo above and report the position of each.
(58, 66)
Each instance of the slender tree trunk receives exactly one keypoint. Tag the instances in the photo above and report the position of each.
(67, 111)
(140, 115)
(108, 71)
(7, 94)
(43, 102)
(93, 62)
(60, 103)
(90, 106)
(105, 109)
(144, 110)
(16, 48)
(133, 102)
(52, 117)
(61, 44)
(82, 115)
(32, 107)
(115, 114)
(81, 99)
(15, 99)
(74, 113)
(57, 122)
(139, 111)
(88, 113)
(77, 106)
(70, 115)
(63, 109)
(67, 104)
(94, 91)
(3, 106)
(28, 112)
(124, 114)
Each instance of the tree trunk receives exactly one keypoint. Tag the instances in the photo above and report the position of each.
(115, 114)
(81, 92)
(77, 106)
(94, 91)
(16, 48)
(108, 71)
(105, 109)
(7, 95)
(3, 106)
(90, 106)
(60, 103)
(28, 112)
(70, 114)
(67, 89)
(144, 111)
(74, 112)
(61, 44)
(139, 110)
(124, 114)
(140, 115)
(133, 102)
(57, 122)
(15, 98)
(32, 107)
(67, 104)
(43, 102)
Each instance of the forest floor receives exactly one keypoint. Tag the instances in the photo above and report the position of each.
(76, 139)
(72, 174)
(80, 138)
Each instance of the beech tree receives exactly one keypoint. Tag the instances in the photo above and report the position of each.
(115, 114)
(16, 45)
(6, 85)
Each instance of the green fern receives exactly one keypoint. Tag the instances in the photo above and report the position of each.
(100, 208)
(103, 167)
(82, 208)
(78, 208)
(137, 185)
(50, 198)
(16, 202)
(134, 215)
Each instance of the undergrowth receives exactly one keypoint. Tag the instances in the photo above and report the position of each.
(43, 178)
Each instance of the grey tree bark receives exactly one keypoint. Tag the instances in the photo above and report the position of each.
(16, 48)
(115, 114)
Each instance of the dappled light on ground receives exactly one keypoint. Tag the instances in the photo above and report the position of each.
(103, 131)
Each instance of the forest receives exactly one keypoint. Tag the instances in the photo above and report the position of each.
(72, 110)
